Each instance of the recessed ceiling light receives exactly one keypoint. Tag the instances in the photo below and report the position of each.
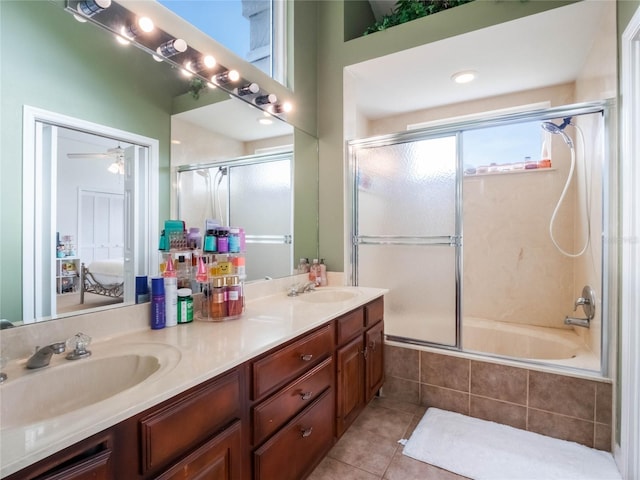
(465, 76)
(176, 142)
(265, 121)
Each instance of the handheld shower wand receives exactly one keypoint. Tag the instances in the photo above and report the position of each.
(559, 130)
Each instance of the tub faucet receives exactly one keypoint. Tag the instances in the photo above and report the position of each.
(42, 357)
(579, 322)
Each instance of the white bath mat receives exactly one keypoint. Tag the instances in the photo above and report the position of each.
(485, 450)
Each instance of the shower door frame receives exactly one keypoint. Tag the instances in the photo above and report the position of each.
(609, 208)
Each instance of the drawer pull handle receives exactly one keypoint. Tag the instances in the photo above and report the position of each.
(306, 357)
(305, 432)
(306, 395)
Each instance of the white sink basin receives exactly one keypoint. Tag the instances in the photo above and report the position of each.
(40, 395)
(322, 295)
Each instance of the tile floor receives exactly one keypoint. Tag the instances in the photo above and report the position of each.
(369, 450)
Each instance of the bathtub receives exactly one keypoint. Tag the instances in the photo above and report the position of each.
(556, 346)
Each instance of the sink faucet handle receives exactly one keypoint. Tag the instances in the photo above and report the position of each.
(581, 301)
(79, 343)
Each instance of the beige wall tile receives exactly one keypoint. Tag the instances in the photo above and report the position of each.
(604, 393)
(401, 362)
(399, 389)
(602, 438)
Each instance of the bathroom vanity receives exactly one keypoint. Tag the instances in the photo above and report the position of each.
(262, 397)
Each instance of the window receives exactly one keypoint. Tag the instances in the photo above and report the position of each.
(505, 148)
(255, 30)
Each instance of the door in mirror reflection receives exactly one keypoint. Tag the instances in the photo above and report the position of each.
(90, 208)
(254, 193)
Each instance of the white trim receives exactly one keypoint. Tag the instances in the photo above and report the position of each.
(31, 115)
(628, 452)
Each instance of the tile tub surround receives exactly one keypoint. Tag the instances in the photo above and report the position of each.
(552, 404)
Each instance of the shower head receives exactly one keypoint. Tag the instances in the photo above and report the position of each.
(559, 130)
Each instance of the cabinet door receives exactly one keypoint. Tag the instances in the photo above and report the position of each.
(217, 459)
(374, 360)
(349, 384)
(95, 467)
(293, 452)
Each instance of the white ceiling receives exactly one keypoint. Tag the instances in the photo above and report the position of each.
(235, 119)
(545, 49)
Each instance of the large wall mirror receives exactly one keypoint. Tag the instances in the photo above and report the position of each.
(114, 101)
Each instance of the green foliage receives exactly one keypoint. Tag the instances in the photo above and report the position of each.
(195, 87)
(407, 10)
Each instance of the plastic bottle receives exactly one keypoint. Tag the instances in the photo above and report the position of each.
(323, 273)
(142, 289)
(183, 272)
(314, 272)
(185, 305)
(157, 303)
(234, 240)
(171, 301)
(302, 266)
(545, 158)
(222, 237)
(210, 242)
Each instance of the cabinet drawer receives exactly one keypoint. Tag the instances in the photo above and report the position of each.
(183, 424)
(350, 325)
(278, 409)
(282, 366)
(300, 445)
(374, 311)
(219, 459)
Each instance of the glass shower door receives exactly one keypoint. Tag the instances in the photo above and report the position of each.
(406, 233)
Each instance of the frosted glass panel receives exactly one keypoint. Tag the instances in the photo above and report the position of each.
(200, 196)
(268, 260)
(421, 303)
(269, 210)
(407, 189)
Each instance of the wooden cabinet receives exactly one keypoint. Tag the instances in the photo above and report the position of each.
(293, 389)
(359, 361)
(90, 459)
(185, 424)
(272, 417)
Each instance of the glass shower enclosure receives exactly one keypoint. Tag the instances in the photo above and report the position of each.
(407, 225)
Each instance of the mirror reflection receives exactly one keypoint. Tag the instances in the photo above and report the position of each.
(87, 65)
(238, 173)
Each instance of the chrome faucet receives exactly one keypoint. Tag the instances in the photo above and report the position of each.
(579, 322)
(42, 357)
(588, 303)
(294, 290)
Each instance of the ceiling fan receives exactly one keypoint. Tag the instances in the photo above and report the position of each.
(116, 153)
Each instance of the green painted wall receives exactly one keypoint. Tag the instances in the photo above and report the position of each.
(53, 62)
(334, 54)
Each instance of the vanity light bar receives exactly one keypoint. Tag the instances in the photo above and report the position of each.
(163, 47)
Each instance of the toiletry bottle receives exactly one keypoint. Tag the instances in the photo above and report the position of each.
(314, 272)
(234, 240)
(194, 238)
(202, 275)
(142, 289)
(171, 301)
(169, 268)
(217, 299)
(323, 273)
(234, 296)
(183, 272)
(185, 305)
(302, 265)
(545, 158)
(210, 243)
(157, 303)
(222, 237)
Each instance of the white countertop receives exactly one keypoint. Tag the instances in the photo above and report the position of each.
(200, 351)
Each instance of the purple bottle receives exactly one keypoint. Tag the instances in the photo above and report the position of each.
(158, 319)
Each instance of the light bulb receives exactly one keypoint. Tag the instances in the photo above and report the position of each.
(145, 24)
(266, 99)
(248, 89)
(209, 61)
(114, 168)
(89, 8)
(226, 77)
(172, 47)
